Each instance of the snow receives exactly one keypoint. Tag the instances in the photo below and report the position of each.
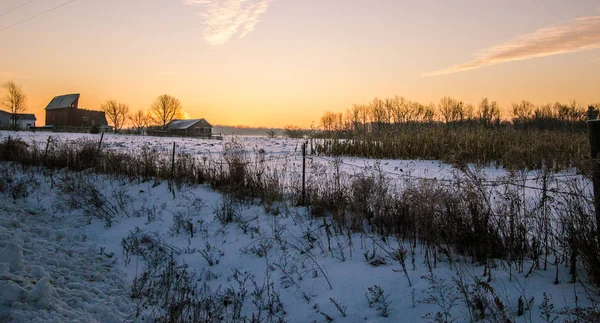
(284, 157)
(55, 275)
(59, 264)
(12, 254)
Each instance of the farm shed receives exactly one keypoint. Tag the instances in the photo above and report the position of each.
(63, 111)
(24, 121)
(189, 128)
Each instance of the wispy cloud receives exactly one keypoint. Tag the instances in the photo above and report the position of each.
(573, 36)
(225, 19)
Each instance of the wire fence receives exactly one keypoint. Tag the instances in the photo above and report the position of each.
(288, 166)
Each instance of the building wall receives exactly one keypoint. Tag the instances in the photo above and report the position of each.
(89, 118)
(59, 117)
(74, 117)
(4, 120)
(25, 124)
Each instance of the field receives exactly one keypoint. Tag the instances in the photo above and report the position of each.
(224, 231)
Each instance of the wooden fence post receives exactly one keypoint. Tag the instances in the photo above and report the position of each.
(46, 150)
(171, 188)
(98, 150)
(304, 173)
(173, 161)
(594, 137)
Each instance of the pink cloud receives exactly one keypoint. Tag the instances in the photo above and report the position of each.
(225, 19)
(573, 36)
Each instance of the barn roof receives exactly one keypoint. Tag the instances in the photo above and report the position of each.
(185, 124)
(62, 101)
(27, 117)
(22, 116)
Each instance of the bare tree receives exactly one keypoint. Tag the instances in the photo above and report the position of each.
(139, 121)
(378, 113)
(328, 121)
(165, 109)
(523, 111)
(469, 111)
(116, 112)
(447, 109)
(489, 113)
(429, 113)
(15, 100)
(451, 110)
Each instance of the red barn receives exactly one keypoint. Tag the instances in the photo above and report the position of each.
(63, 111)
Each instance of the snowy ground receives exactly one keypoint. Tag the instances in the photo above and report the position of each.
(74, 267)
(51, 272)
(285, 155)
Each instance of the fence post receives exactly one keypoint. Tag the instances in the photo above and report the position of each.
(304, 173)
(46, 150)
(172, 171)
(98, 150)
(594, 137)
(173, 161)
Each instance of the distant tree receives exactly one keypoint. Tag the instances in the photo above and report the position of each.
(429, 113)
(116, 113)
(293, 132)
(489, 113)
(378, 113)
(593, 111)
(364, 116)
(449, 110)
(328, 121)
(139, 121)
(165, 109)
(271, 133)
(388, 104)
(524, 111)
(15, 100)
(469, 112)
(355, 117)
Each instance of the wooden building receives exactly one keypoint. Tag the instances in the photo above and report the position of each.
(190, 128)
(24, 120)
(184, 128)
(64, 111)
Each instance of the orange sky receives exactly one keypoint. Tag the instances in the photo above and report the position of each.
(281, 62)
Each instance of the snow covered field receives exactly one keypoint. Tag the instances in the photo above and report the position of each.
(285, 153)
(59, 262)
(51, 272)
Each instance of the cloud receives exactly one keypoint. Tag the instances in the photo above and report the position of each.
(573, 36)
(227, 18)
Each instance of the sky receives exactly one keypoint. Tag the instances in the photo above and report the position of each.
(285, 62)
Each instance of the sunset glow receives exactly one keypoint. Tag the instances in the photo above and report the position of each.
(285, 62)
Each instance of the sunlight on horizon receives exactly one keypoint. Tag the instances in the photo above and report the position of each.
(272, 63)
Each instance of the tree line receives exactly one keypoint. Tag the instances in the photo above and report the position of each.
(163, 110)
(385, 115)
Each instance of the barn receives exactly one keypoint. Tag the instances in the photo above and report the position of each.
(63, 111)
(24, 121)
(190, 128)
(184, 128)
(5, 118)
